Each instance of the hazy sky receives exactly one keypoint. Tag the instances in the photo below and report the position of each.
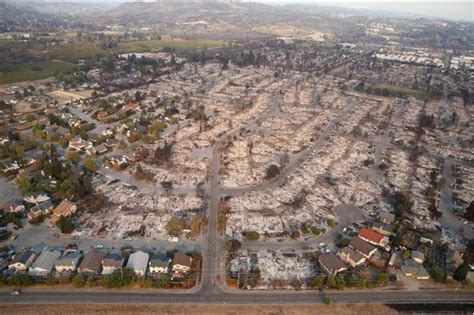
(455, 10)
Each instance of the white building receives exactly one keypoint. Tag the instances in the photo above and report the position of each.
(44, 264)
(138, 262)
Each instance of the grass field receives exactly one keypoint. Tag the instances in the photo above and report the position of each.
(410, 92)
(62, 34)
(143, 46)
(6, 42)
(34, 71)
(76, 51)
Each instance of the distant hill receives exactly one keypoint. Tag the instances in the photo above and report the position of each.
(14, 17)
(221, 17)
(66, 8)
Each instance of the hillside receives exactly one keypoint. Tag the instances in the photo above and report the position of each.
(222, 17)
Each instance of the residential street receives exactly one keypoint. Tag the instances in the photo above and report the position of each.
(50, 296)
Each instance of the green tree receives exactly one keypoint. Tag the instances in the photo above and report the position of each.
(149, 283)
(163, 281)
(341, 241)
(232, 245)
(331, 282)
(461, 272)
(175, 226)
(317, 282)
(65, 225)
(90, 164)
(24, 184)
(296, 284)
(251, 235)
(439, 274)
(382, 278)
(21, 280)
(397, 240)
(405, 254)
(70, 186)
(78, 281)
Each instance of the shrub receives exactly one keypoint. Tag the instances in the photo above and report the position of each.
(251, 235)
(232, 245)
(65, 225)
(78, 281)
(37, 220)
(175, 226)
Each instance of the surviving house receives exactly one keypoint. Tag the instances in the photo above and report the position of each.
(386, 217)
(374, 237)
(68, 262)
(43, 208)
(366, 249)
(385, 229)
(138, 262)
(44, 264)
(181, 263)
(91, 264)
(417, 256)
(22, 261)
(411, 268)
(159, 264)
(36, 198)
(78, 144)
(112, 262)
(351, 257)
(331, 263)
(64, 209)
(16, 206)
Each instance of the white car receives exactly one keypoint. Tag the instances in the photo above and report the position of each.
(15, 291)
(99, 246)
(173, 239)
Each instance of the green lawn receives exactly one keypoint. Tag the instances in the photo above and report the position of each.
(410, 92)
(6, 42)
(74, 52)
(144, 46)
(34, 71)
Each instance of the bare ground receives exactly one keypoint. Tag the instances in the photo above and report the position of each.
(339, 309)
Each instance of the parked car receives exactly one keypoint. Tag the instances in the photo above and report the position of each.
(16, 291)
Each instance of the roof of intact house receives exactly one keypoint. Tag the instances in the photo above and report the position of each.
(331, 261)
(43, 206)
(371, 235)
(23, 257)
(159, 260)
(65, 208)
(361, 246)
(45, 261)
(112, 260)
(138, 261)
(355, 256)
(182, 259)
(412, 267)
(92, 261)
(68, 258)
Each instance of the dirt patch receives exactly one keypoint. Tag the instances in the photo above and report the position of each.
(199, 309)
(64, 96)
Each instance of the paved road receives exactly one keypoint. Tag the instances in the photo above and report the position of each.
(8, 192)
(200, 297)
(44, 236)
(347, 214)
(449, 220)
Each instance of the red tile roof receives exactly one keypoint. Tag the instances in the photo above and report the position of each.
(371, 235)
